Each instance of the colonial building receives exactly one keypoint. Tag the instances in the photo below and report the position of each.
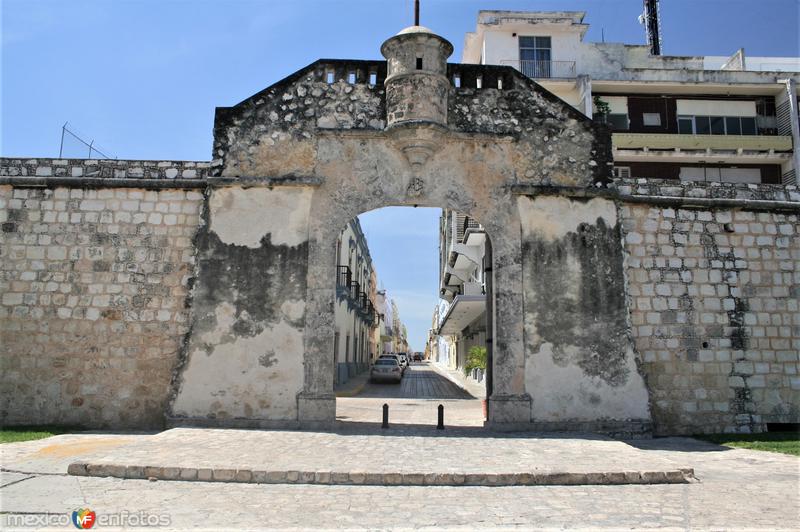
(699, 118)
(355, 315)
(391, 333)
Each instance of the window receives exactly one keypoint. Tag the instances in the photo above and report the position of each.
(651, 119)
(617, 121)
(622, 172)
(717, 125)
(748, 125)
(419, 63)
(686, 125)
(733, 125)
(702, 125)
(717, 174)
(534, 56)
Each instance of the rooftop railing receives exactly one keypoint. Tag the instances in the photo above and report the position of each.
(537, 69)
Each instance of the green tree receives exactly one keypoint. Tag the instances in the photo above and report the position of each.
(603, 109)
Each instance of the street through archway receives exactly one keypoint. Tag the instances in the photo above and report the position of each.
(414, 401)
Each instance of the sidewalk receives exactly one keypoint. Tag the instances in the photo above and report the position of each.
(475, 389)
(353, 386)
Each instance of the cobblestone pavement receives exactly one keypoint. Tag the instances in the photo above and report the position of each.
(419, 381)
(739, 490)
(400, 450)
(414, 401)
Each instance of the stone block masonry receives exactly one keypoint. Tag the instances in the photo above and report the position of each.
(94, 300)
(714, 297)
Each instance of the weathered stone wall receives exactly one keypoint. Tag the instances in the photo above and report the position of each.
(282, 130)
(244, 358)
(715, 305)
(581, 369)
(94, 294)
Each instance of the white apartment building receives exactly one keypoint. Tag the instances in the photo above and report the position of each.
(707, 118)
(704, 118)
(460, 318)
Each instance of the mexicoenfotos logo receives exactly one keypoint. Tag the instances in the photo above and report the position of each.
(83, 518)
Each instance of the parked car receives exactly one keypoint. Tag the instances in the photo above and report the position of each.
(386, 368)
(398, 358)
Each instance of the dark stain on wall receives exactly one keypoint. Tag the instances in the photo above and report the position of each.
(594, 319)
(256, 281)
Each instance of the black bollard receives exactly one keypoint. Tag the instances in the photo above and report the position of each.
(440, 425)
(385, 424)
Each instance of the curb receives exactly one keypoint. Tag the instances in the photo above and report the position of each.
(248, 476)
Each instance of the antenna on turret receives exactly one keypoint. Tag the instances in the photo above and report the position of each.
(651, 19)
(416, 12)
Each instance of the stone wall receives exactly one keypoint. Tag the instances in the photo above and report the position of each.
(714, 295)
(94, 295)
(581, 368)
(244, 357)
(90, 169)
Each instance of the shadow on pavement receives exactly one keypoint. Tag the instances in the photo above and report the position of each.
(676, 443)
(356, 428)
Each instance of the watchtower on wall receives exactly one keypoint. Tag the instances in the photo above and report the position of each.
(417, 90)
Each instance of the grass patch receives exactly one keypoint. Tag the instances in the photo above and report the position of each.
(28, 433)
(776, 442)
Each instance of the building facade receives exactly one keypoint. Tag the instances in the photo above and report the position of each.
(355, 315)
(704, 118)
(460, 318)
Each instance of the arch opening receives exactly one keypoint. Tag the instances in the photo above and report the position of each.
(410, 327)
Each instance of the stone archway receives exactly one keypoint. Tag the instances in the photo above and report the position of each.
(295, 162)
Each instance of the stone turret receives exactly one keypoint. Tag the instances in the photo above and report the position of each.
(416, 91)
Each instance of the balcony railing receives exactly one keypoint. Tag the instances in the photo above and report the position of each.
(355, 288)
(469, 223)
(658, 141)
(343, 276)
(536, 69)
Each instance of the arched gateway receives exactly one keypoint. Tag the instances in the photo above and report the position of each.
(296, 161)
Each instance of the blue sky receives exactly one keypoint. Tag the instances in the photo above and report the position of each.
(142, 77)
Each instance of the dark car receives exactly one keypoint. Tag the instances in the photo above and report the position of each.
(417, 358)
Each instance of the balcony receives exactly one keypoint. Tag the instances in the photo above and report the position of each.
(657, 141)
(543, 69)
(462, 311)
(343, 276)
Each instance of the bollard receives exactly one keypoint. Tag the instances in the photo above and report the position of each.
(385, 424)
(440, 425)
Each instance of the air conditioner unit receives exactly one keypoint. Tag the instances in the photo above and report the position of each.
(622, 172)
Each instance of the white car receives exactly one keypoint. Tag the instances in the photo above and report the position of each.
(386, 368)
(398, 358)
